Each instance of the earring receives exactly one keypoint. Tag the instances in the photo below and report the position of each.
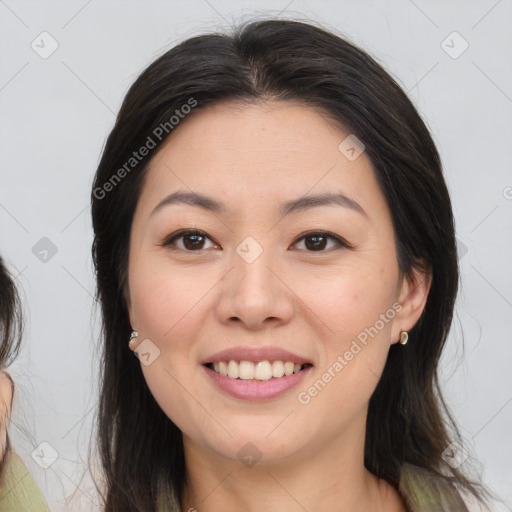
(133, 338)
(404, 336)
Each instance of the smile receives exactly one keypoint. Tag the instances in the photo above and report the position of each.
(259, 381)
(262, 370)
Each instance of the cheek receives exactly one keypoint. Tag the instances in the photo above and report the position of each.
(355, 311)
(165, 299)
(350, 300)
(166, 303)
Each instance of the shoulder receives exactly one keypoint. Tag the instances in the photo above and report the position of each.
(18, 490)
(424, 491)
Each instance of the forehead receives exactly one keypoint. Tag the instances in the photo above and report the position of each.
(272, 150)
(257, 128)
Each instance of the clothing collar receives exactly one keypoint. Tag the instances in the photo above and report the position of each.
(423, 491)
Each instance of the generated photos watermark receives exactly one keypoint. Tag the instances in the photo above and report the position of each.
(157, 135)
(304, 397)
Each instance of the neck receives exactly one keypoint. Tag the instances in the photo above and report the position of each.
(320, 479)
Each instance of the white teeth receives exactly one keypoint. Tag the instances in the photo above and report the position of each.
(263, 370)
(233, 369)
(223, 368)
(288, 368)
(277, 369)
(246, 371)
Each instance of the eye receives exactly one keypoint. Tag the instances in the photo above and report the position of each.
(193, 240)
(318, 240)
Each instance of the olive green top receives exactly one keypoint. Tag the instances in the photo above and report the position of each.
(18, 490)
(424, 492)
(420, 491)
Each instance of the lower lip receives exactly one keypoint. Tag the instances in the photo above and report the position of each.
(256, 389)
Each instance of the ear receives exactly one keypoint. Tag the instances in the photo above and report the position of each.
(413, 294)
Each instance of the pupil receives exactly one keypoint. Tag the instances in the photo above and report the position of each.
(316, 238)
(194, 241)
(194, 244)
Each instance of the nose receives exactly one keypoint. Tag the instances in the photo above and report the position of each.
(256, 293)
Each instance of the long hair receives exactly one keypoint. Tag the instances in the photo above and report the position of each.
(11, 330)
(141, 449)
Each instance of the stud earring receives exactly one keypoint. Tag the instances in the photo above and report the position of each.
(133, 339)
(404, 336)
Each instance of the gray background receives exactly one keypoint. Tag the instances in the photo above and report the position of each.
(56, 112)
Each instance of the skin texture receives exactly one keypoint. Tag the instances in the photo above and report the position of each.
(313, 302)
(6, 395)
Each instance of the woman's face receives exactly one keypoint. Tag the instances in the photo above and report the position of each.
(262, 278)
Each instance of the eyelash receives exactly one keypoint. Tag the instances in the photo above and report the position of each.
(169, 241)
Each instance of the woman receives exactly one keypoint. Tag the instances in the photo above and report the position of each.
(271, 227)
(18, 490)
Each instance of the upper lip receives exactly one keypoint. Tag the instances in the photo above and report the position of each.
(255, 355)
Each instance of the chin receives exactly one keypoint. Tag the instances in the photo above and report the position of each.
(251, 446)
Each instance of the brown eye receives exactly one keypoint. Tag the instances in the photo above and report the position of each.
(318, 241)
(191, 240)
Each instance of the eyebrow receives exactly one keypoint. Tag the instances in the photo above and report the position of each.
(304, 203)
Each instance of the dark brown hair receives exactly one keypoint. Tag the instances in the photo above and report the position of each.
(141, 448)
(11, 327)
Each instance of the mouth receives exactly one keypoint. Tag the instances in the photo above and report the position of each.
(256, 371)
